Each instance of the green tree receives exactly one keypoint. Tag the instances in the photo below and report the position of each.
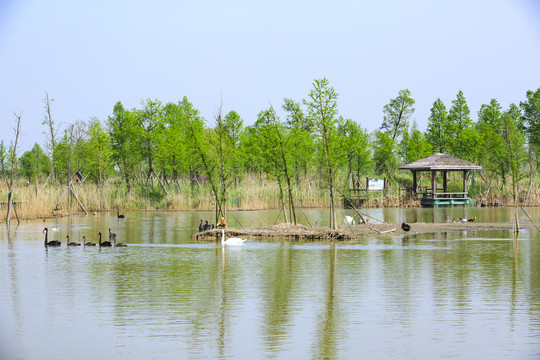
(66, 162)
(531, 116)
(301, 146)
(357, 146)
(233, 127)
(322, 111)
(460, 126)
(414, 145)
(172, 149)
(149, 122)
(295, 116)
(125, 142)
(395, 124)
(437, 133)
(100, 163)
(397, 114)
(384, 154)
(515, 149)
(34, 163)
(3, 159)
(490, 126)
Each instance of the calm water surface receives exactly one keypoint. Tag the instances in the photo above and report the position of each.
(467, 295)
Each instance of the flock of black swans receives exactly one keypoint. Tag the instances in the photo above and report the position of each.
(111, 243)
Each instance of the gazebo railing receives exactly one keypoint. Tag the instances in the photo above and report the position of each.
(427, 193)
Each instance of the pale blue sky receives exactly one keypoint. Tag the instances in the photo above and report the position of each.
(90, 54)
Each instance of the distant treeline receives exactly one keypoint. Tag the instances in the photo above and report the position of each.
(172, 141)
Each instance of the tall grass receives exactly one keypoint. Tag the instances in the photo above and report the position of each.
(253, 192)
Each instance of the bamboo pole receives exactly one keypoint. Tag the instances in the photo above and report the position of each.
(77, 198)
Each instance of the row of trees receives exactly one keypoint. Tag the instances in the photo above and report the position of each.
(168, 142)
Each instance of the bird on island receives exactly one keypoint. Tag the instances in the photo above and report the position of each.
(73, 243)
(207, 226)
(231, 241)
(118, 215)
(87, 243)
(222, 224)
(349, 220)
(52, 242)
(105, 243)
(405, 227)
(201, 225)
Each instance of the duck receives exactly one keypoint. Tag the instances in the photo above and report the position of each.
(231, 241)
(349, 220)
(111, 235)
(405, 227)
(105, 243)
(73, 243)
(472, 219)
(52, 242)
(222, 224)
(87, 243)
(117, 244)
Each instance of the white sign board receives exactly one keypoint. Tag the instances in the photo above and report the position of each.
(375, 184)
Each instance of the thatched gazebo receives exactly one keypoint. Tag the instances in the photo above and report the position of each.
(440, 163)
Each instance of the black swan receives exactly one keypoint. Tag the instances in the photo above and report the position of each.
(105, 243)
(201, 226)
(73, 243)
(52, 242)
(118, 214)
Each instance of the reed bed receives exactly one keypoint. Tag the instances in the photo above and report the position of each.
(252, 192)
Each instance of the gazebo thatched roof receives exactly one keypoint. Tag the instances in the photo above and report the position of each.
(440, 162)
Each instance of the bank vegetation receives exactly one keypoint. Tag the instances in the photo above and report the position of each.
(166, 156)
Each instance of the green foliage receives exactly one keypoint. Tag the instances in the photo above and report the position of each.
(322, 111)
(439, 129)
(356, 143)
(461, 128)
(514, 142)
(490, 128)
(3, 158)
(34, 163)
(99, 164)
(384, 156)
(414, 145)
(397, 114)
(531, 115)
(125, 142)
(66, 163)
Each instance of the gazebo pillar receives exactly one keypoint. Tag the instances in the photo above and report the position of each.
(445, 182)
(434, 183)
(465, 183)
(414, 183)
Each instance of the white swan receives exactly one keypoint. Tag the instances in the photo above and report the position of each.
(349, 220)
(231, 241)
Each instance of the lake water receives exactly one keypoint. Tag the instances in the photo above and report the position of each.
(466, 295)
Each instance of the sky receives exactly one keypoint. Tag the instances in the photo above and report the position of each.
(249, 55)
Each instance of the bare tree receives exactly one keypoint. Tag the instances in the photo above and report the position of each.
(13, 159)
